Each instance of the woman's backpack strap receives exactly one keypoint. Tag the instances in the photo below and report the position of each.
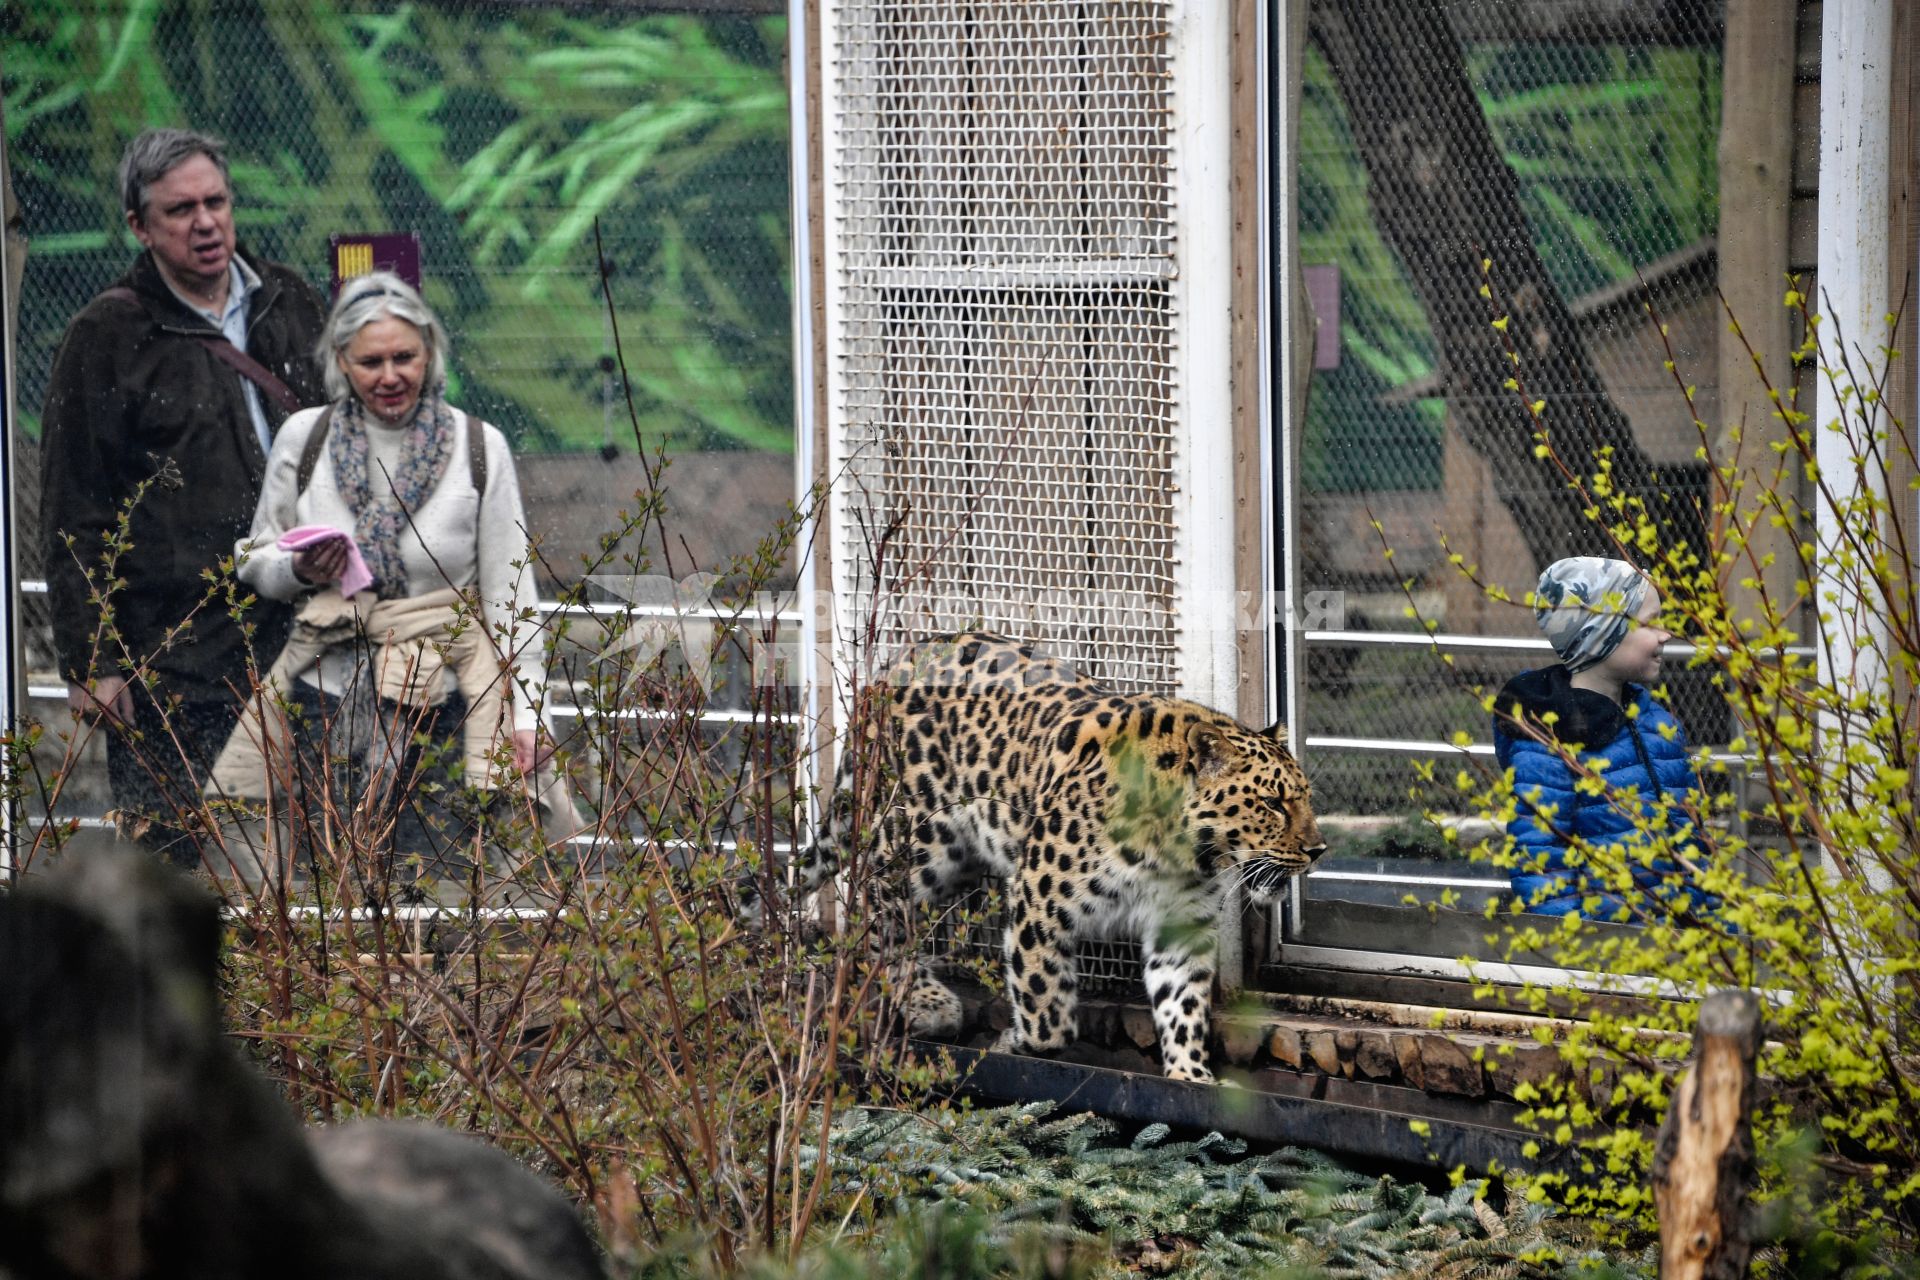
(310, 456)
(477, 454)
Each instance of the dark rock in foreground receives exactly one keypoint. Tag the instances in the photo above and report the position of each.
(135, 1141)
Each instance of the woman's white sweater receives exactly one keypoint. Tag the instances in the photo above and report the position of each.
(458, 538)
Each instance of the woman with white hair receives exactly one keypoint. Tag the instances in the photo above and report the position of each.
(387, 511)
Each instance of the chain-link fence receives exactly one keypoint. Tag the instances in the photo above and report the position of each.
(1570, 152)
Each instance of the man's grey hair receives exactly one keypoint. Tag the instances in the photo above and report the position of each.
(379, 295)
(158, 152)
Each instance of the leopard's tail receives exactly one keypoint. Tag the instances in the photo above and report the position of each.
(811, 866)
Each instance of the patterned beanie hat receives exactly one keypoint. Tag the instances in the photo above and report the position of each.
(1583, 606)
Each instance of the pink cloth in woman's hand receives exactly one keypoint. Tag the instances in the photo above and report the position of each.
(357, 577)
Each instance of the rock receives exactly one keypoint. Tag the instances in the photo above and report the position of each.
(1532, 1064)
(135, 1140)
(1096, 1022)
(472, 1203)
(1241, 1040)
(1373, 1056)
(1283, 1046)
(1448, 1068)
(1321, 1050)
(1346, 1041)
(1137, 1024)
(1598, 1080)
(1406, 1054)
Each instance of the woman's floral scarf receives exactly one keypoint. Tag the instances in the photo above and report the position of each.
(382, 504)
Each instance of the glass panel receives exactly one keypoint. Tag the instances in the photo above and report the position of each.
(1575, 151)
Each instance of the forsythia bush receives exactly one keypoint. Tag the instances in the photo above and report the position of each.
(1806, 832)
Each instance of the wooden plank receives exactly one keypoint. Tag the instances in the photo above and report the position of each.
(1806, 63)
(1803, 233)
(1903, 228)
(1806, 137)
(1374, 1127)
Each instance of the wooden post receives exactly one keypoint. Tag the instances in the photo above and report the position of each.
(1703, 1162)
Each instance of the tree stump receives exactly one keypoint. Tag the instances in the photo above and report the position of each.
(1703, 1162)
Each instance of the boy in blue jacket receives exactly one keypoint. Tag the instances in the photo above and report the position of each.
(1594, 705)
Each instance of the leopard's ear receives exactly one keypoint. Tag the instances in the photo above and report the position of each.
(1276, 731)
(1207, 748)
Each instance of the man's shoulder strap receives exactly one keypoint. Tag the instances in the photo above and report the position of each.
(233, 357)
(317, 439)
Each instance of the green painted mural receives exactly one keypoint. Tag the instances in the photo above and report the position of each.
(504, 136)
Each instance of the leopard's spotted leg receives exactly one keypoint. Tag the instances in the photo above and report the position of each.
(942, 866)
(1179, 980)
(1042, 985)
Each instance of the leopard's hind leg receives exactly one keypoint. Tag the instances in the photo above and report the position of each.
(1042, 971)
(951, 850)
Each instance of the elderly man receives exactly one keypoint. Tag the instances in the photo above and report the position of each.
(163, 401)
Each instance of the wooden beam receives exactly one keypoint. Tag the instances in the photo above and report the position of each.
(1903, 275)
(1756, 192)
(1703, 1158)
(1903, 270)
(1250, 522)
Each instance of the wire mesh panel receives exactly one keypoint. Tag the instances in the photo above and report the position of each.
(1007, 410)
(1005, 350)
(968, 937)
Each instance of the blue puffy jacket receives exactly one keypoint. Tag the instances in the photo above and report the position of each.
(1645, 759)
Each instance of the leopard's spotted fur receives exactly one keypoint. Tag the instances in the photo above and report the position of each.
(1100, 812)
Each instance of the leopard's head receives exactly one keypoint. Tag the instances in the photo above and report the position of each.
(1250, 807)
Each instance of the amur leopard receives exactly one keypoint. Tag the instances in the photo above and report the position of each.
(1103, 814)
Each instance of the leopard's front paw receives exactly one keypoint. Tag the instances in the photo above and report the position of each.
(933, 1009)
(1198, 1075)
(1009, 1041)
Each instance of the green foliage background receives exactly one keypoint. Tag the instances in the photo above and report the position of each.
(499, 134)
